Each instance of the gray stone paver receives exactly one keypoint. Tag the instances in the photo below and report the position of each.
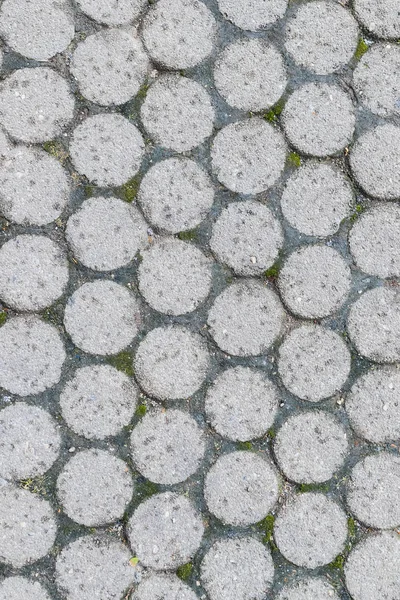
(199, 206)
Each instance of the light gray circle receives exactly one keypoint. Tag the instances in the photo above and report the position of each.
(112, 12)
(171, 362)
(248, 156)
(18, 588)
(246, 318)
(309, 588)
(380, 18)
(163, 585)
(313, 362)
(252, 14)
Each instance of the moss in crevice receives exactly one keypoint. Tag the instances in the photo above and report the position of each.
(312, 487)
(141, 410)
(3, 317)
(361, 49)
(273, 272)
(123, 362)
(244, 446)
(294, 159)
(275, 111)
(129, 190)
(358, 209)
(146, 488)
(184, 571)
(57, 150)
(267, 528)
(187, 236)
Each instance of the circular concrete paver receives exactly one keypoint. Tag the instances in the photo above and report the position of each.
(252, 14)
(163, 585)
(17, 587)
(307, 589)
(382, 20)
(112, 12)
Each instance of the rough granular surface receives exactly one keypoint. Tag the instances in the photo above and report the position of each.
(248, 156)
(38, 29)
(165, 586)
(375, 162)
(319, 119)
(33, 272)
(34, 187)
(224, 577)
(377, 80)
(314, 281)
(307, 589)
(321, 36)
(107, 148)
(94, 566)
(35, 104)
(171, 363)
(313, 362)
(102, 317)
(179, 33)
(27, 526)
(176, 195)
(106, 233)
(98, 401)
(316, 199)
(373, 406)
(250, 74)
(310, 447)
(95, 487)
(29, 441)
(110, 66)
(252, 14)
(241, 404)
(373, 490)
(15, 588)
(31, 355)
(241, 488)
(246, 318)
(374, 325)
(247, 237)
(381, 19)
(112, 12)
(167, 446)
(306, 539)
(177, 113)
(165, 531)
(375, 241)
(371, 570)
(174, 276)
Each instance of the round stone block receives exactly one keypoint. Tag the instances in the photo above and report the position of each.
(165, 531)
(171, 362)
(307, 589)
(311, 446)
(34, 187)
(27, 526)
(112, 12)
(248, 157)
(311, 530)
(241, 404)
(163, 585)
(246, 318)
(179, 34)
(371, 571)
(29, 441)
(98, 401)
(241, 488)
(174, 276)
(35, 104)
(314, 281)
(110, 66)
(377, 80)
(321, 36)
(374, 325)
(16, 588)
(313, 362)
(373, 490)
(247, 237)
(316, 199)
(106, 233)
(239, 568)
(252, 14)
(39, 29)
(33, 272)
(107, 148)
(95, 487)
(375, 162)
(381, 19)
(250, 74)
(319, 119)
(31, 356)
(94, 566)
(177, 113)
(375, 241)
(373, 407)
(175, 194)
(167, 446)
(102, 317)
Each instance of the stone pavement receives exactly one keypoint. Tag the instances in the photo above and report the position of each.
(199, 300)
